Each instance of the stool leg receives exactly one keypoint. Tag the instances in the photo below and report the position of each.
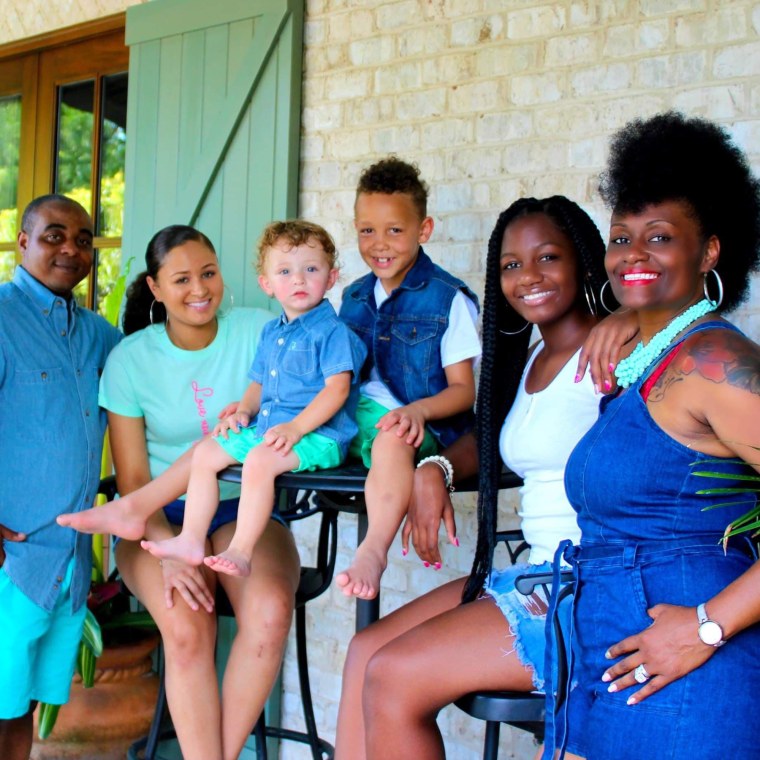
(491, 747)
(303, 678)
(154, 733)
(260, 734)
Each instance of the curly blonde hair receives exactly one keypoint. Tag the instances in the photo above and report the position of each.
(295, 232)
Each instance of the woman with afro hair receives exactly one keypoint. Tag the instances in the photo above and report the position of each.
(544, 268)
(666, 636)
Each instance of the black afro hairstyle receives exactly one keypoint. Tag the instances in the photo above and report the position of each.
(671, 157)
(392, 175)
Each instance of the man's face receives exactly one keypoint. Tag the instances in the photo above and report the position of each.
(57, 250)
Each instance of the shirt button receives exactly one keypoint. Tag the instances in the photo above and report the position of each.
(63, 332)
(87, 413)
(79, 373)
(273, 373)
(59, 579)
(265, 413)
(46, 311)
(43, 375)
(280, 341)
(59, 303)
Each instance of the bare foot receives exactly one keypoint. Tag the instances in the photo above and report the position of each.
(116, 518)
(362, 578)
(181, 547)
(230, 562)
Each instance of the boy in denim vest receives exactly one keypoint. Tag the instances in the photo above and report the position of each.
(297, 414)
(418, 323)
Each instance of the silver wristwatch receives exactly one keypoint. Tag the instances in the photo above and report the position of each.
(709, 631)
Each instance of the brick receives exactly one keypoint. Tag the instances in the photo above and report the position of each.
(533, 89)
(446, 133)
(718, 26)
(449, 68)
(395, 15)
(372, 52)
(725, 102)
(497, 61)
(653, 35)
(421, 105)
(615, 77)
(665, 7)
(503, 126)
(326, 116)
(737, 61)
(387, 139)
(571, 50)
(671, 71)
(339, 28)
(454, 8)
(398, 78)
(535, 22)
(351, 84)
(474, 31)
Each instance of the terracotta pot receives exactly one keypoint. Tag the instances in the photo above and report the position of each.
(101, 722)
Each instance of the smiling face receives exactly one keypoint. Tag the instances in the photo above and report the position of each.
(390, 233)
(189, 285)
(57, 249)
(539, 270)
(297, 276)
(656, 258)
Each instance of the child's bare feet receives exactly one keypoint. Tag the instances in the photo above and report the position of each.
(231, 562)
(362, 578)
(181, 547)
(116, 518)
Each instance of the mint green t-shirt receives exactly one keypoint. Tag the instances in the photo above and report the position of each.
(180, 393)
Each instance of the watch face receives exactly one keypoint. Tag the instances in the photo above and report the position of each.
(710, 633)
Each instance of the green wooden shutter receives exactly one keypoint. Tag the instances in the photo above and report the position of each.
(213, 125)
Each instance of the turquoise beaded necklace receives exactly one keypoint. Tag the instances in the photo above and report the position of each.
(633, 367)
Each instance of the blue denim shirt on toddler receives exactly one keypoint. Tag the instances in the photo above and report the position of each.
(293, 360)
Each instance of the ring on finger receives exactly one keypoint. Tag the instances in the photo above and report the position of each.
(640, 674)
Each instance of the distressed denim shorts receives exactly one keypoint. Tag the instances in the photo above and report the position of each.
(526, 615)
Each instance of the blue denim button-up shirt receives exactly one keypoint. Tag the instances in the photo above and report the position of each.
(51, 431)
(292, 361)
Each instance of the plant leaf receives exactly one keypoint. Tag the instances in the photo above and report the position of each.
(91, 635)
(46, 718)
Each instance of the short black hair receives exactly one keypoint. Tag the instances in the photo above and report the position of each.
(505, 353)
(671, 157)
(392, 175)
(29, 217)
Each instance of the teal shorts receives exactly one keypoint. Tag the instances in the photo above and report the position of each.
(368, 412)
(314, 451)
(38, 649)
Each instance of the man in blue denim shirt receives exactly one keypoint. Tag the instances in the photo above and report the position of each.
(51, 355)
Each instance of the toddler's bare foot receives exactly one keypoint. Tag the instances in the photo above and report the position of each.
(116, 518)
(362, 578)
(231, 562)
(181, 547)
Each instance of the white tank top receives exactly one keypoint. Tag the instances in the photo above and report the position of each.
(538, 435)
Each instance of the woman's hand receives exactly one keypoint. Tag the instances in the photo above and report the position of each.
(668, 649)
(604, 346)
(430, 503)
(189, 582)
(409, 421)
(6, 534)
(283, 437)
(233, 422)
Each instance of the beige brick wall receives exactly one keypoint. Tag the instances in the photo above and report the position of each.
(493, 99)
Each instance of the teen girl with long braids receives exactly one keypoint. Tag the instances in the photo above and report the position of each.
(543, 268)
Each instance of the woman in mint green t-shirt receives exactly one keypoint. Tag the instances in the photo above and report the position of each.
(164, 387)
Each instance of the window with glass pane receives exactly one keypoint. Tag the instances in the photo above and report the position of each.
(89, 167)
(10, 139)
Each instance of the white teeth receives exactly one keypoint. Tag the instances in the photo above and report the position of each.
(536, 296)
(636, 276)
(382, 260)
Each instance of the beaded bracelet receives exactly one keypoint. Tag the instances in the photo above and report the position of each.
(446, 467)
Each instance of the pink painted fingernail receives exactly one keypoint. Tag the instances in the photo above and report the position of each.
(612, 687)
(456, 541)
(611, 367)
(631, 701)
(404, 552)
(437, 565)
(607, 385)
(606, 677)
(577, 378)
(426, 564)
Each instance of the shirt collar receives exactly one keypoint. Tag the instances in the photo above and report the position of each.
(310, 317)
(37, 293)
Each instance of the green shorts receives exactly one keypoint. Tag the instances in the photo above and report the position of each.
(368, 412)
(37, 648)
(314, 451)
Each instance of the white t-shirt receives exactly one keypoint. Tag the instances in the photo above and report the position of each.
(459, 342)
(537, 437)
(180, 393)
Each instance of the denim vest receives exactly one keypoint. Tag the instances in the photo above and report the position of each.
(403, 337)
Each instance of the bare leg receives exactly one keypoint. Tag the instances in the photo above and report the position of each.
(209, 458)
(263, 604)
(350, 740)
(16, 737)
(189, 638)
(126, 517)
(387, 492)
(469, 648)
(262, 465)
